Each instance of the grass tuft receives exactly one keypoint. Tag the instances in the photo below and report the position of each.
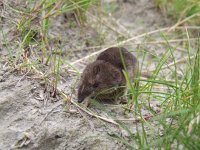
(180, 9)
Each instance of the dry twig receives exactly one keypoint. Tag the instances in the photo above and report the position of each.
(183, 21)
(109, 120)
(124, 42)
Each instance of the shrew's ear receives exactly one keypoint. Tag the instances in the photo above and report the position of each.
(96, 69)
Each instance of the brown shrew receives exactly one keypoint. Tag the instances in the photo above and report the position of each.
(103, 79)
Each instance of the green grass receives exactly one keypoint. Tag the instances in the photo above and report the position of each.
(181, 106)
(180, 9)
(33, 27)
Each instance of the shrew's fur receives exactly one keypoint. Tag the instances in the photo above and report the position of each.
(104, 78)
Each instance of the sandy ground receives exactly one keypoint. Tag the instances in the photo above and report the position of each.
(30, 119)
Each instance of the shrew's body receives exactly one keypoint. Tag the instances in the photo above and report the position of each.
(104, 78)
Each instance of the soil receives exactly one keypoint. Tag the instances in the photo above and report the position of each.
(31, 119)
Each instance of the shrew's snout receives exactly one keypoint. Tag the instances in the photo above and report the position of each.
(81, 97)
(82, 94)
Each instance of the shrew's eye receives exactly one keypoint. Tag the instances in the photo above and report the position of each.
(95, 85)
